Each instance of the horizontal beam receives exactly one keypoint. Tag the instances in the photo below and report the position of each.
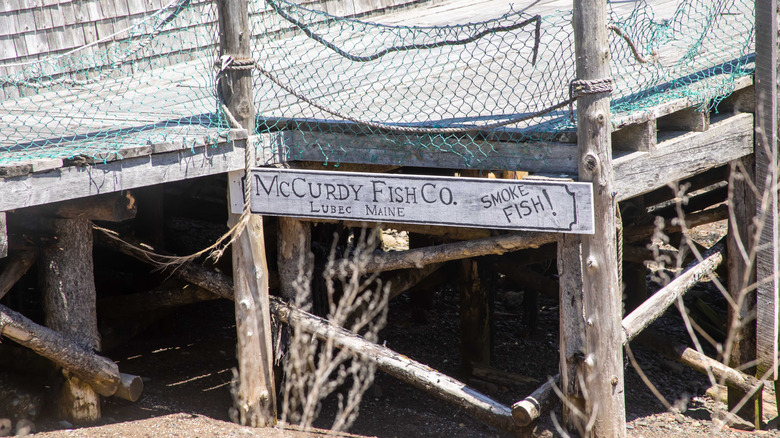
(77, 182)
(438, 152)
(682, 156)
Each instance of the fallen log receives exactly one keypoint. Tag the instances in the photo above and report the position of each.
(656, 305)
(528, 410)
(102, 374)
(16, 267)
(399, 366)
(390, 362)
(525, 411)
(419, 257)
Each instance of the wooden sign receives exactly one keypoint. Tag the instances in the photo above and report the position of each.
(561, 207)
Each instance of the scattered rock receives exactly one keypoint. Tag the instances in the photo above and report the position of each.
(5, 427)
(19, 397)
(25, 427)
(731, 420)
(65, 424)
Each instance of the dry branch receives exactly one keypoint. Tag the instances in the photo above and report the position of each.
(101, 373)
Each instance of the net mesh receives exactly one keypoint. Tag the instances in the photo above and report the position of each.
(347, 88)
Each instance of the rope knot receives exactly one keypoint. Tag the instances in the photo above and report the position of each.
(584, 87)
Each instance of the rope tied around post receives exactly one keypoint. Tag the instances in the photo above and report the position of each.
(584, 87)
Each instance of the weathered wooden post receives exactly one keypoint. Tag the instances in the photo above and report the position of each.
(599, 366)
(768, 257)
(255, 394)
(68, 284)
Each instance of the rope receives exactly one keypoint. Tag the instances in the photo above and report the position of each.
(652, 59)
(318, 38)
(619, 223)
(577, 88)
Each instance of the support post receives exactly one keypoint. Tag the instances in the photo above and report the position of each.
(295, 260)
(255, 394)
(602, 369)
(68, 285)
(3, 236)
(741, 278)
(766, 138)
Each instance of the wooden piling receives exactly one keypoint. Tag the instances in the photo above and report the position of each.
(602, 371)
(255, 397)
(68, 285)
(767, 161)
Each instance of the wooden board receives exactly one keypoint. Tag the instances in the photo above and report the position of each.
(564, 207)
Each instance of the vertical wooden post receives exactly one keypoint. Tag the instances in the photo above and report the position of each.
(475, 336)
(768, 258)
(255, 394)
(296, 261)
(740, 281)
(571, 345)
(602, 369)
(3, 236)
(68, 285)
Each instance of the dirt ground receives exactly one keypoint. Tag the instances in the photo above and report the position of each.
(186, 359)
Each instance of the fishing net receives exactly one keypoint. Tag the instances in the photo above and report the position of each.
(349, 89)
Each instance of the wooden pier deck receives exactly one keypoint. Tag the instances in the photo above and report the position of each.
(168, 112)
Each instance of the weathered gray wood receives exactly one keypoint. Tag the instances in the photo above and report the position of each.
(476, 340)
(602, 373)
(114, 207)
(417, 258)
(399, 366)
(689, 119)
(768, 257)
(68, 285)
(656, 305)
(640, 137)
(741, 339)
(571, 333)
(3, 235)
(76, 182)
(727, 139)
(255, 396)
(16, 266)
(529, 409)
(101, 373)
(475, 202)
(295, 261)
(545, 157)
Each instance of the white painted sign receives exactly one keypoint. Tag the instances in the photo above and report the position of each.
(562, 207)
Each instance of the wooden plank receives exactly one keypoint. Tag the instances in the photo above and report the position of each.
(76, 182)
(741, 340)
(768, 258)
(545, 157)
(601, 376)
(551, 206)
(3, 235)
(729, 138)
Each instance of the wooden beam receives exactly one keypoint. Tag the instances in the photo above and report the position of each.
(402, 281)
(255, 395)
(112, 207)
(656, 305)
(16, 266)
(3, 235)
(767, 161)
(741, 339)
(100, 373)
(571, 332)
(602, 370)
(417, 258)
(68, 285)
(689, 119)
(448, 153)
(295, 261)
(729, 137)
(130, 173)
(399, 366)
